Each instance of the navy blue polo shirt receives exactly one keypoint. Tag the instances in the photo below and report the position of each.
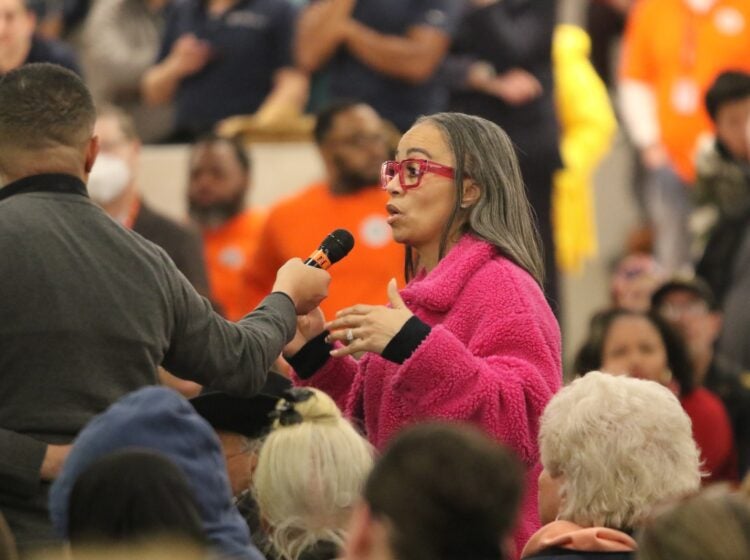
(396, 100)
(56, 52)
(250, 42)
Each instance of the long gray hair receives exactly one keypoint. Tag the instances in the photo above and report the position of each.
(502, 216)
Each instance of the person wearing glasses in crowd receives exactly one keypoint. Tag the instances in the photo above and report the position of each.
(471, 337)
(353, 143)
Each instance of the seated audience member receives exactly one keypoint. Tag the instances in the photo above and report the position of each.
(241, 424)
(219, 180)
(642, 345)
(635, 278)
(160, 420)
(120, 41)
(690, 307)
(612, 449)
(221, 58)
(439, 492)
(384, 52)
(20, 45)
(129, 497)
(310, 471)
(113, 185)
(704, 527)
(722, 164)
(722, 190)
(353, 145)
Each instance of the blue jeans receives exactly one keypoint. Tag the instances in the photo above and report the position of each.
(668, 206)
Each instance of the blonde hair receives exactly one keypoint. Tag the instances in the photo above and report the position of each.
(311, 470)
(622, 446)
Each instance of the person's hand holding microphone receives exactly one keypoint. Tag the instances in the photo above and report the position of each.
(306, 283)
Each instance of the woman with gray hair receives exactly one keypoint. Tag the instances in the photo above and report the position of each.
(612, 449)
(471, 337)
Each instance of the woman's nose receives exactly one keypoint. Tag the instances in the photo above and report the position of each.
(394, 186)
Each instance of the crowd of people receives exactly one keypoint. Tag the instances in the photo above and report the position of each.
(194, 388)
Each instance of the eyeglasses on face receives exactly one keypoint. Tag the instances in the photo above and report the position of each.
(411, 171)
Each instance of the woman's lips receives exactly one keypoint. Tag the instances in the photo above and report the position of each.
(393, 213)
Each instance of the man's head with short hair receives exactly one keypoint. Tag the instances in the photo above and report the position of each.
(440, 491)
(728, 104)
(353, 143)
(47, 120)
(219, 180)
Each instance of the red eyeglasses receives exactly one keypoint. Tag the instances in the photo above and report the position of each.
(411, 171)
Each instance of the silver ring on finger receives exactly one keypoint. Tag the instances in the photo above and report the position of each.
(349, 335)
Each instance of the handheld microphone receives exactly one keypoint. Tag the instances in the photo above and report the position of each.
(333, 248)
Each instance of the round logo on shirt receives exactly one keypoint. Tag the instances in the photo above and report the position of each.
(247, 19)
(685, 96)
(729, 21)
(232, 257)
(374, 231)
(435, 17)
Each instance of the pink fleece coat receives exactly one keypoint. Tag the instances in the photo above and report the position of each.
(492, 358)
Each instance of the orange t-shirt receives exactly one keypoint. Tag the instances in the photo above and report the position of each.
(229, 251)
(679, 53)
(297, 225)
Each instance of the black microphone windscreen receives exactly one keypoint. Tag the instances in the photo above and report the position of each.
(337, 245)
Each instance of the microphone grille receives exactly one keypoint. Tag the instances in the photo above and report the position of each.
(337, 245)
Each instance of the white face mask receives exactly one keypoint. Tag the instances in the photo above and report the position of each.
(108, 178)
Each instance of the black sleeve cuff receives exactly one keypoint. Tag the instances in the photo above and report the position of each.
(406, 340)
(311, 357)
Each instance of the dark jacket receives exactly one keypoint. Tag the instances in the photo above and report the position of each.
(158, 419)
(510, 34)
(89, 311)
(183, 244)
(732, 385)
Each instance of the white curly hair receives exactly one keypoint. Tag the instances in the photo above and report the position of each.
(621, 446)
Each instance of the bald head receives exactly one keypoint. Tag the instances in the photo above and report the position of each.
(45, 112)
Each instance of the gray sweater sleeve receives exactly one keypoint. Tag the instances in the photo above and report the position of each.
(21, 459)
(232, 357)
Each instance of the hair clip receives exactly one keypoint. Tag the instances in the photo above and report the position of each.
(285, 412)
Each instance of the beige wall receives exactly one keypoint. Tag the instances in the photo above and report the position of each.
(278, 170)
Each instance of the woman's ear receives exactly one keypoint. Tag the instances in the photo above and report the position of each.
(471, 194)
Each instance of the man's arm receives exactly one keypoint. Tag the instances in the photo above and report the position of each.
(412, 58)
(288, 96)
(25, 461)
(234, 357)
(320, 31)
(188, 56)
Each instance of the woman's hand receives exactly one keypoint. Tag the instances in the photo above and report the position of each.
(308, 327)
(369, 328)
